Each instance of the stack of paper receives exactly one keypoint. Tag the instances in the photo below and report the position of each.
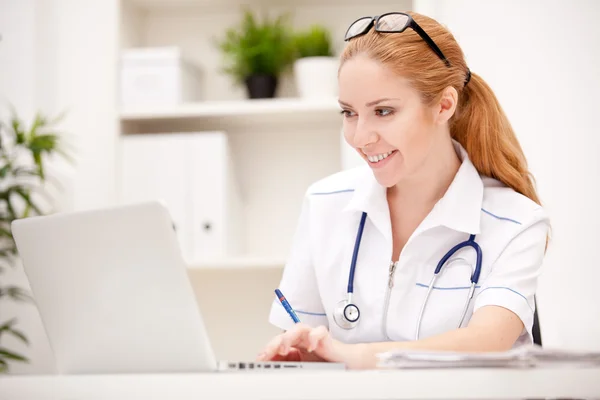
(543, 357)
(522, 357)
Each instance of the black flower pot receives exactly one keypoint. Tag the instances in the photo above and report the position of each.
(261, 86)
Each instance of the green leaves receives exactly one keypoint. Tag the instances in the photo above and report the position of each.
(39, 144)
(15, 293)
(313, 42)
(5, 170)
(8, 197)
(8, 328)
(16, 126)
(36, 141)
(268, 47)
(7, 355)
(257, 48)
(23, 151)
(10, 355)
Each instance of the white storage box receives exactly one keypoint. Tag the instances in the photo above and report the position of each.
(157, 77)
(193, 174)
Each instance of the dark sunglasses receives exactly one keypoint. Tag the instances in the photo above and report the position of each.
(393, 22)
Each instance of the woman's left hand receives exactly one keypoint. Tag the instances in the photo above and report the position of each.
(312, 344)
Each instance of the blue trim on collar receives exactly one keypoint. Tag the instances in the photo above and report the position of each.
(500, 218)
(333, 192)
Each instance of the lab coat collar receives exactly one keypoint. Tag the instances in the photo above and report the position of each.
(370, 197)
(458, 209)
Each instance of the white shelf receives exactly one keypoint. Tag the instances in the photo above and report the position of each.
(234, 114)
(239, 108)
(239, 263)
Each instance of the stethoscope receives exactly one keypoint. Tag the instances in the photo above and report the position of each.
(347, 314)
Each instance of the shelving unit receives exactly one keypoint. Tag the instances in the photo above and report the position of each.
(278, 146)
(275, 147)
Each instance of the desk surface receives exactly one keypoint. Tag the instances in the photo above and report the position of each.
(309, 385)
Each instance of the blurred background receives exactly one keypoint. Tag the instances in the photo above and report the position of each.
(165, 99)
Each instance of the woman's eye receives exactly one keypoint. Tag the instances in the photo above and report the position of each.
(347, 113)
(383, 112)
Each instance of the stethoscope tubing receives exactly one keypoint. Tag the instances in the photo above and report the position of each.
(361, 227)
(474, 276)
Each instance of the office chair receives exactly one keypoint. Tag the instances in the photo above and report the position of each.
(537, 335)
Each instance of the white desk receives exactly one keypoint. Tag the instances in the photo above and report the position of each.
(313, 385)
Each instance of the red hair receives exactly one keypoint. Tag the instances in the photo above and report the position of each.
(479, 123)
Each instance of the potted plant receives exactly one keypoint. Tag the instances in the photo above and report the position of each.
(22, 175)
(257, 53)
(315, 67)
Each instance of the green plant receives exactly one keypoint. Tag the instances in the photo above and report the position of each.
(313, 42)
(22, 176)
(257, 48)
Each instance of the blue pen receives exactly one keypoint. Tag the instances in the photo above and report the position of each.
(287, 306)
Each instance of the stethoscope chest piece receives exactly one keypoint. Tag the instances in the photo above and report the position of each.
(346, 314)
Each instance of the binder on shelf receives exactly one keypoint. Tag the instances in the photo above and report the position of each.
(193, 174)
(217, 209)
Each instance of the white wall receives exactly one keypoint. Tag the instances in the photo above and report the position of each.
(18, 57)
(59, 55)
(542, 58)
(86, 46)
(17, 54)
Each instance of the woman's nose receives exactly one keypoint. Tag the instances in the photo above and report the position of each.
(364, 134)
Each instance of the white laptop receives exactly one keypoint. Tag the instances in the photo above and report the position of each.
(113, 293)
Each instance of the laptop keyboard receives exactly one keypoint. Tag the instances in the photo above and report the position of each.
(260, 365)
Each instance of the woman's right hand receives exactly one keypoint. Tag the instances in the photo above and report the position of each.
(304, 343)
(278, 350)
(296, 355)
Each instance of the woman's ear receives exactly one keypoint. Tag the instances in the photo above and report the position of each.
(446, 107)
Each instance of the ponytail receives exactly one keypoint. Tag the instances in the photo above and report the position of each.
(483, 129)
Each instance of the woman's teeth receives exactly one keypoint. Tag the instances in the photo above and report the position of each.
(379, 157)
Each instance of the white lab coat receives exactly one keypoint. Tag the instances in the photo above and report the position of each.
(510, 229)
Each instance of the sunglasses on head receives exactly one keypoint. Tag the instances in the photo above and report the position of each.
(393, 22)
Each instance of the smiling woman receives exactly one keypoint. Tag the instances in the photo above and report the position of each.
(445, 193)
